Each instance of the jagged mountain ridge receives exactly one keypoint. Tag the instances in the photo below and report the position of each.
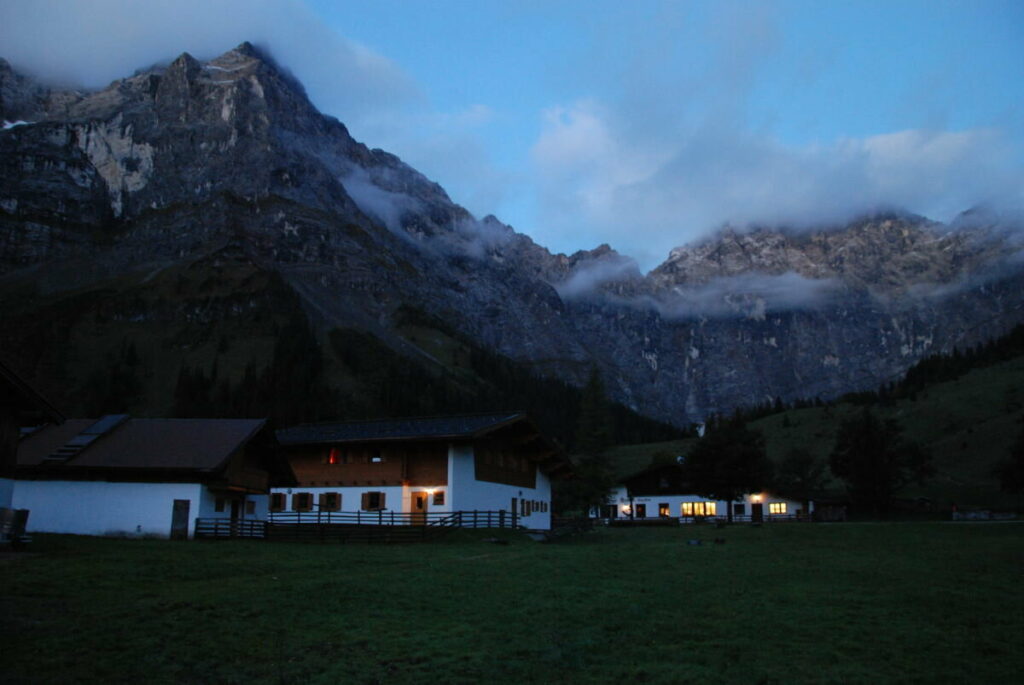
(225, 168)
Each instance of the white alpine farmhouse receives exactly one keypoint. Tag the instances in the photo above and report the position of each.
(418, 468)
(662, 492)
(125, 476)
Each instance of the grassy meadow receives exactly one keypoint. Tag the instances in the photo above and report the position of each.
(782, 603)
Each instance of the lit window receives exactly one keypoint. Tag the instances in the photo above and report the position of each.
(663, 510)
(776, 507)
(698, 508)
(335, 456)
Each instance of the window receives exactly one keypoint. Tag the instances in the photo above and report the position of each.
(373, 501)
(439, 498)
(219, 504)
(739, 509)
(250, 508)
(302, 501)
(663, 510)
(330, 501)
(336, 456)
(641, 511)
(277, 501)
(698, 508)
(376, 457)
(776, 507)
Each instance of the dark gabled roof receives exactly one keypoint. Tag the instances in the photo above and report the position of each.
(16, 393)
(463, 427)
(158, 444)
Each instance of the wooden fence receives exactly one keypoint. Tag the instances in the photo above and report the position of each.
(689, 520)
(333, 526)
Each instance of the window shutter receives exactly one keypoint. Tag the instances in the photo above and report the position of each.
(382, 503)
(366, 501)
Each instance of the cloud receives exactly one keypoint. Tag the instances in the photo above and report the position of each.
(93, 42)
(686, 142)
(591, 275)
(672, 190)
(749, 295)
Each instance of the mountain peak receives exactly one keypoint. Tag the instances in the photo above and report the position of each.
(247, 49)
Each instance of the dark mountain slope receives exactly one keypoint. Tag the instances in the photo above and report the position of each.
(195, 213)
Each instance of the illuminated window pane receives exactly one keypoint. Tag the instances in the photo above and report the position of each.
(687, 508)
(709, 508)
(776, 507)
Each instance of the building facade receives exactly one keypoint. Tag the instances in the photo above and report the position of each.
(413, 470)
(144, 477)
(662, 492)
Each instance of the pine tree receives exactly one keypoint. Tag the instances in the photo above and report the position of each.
(727, 463)
(871, 455)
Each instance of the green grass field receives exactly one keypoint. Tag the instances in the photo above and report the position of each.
(784, 603)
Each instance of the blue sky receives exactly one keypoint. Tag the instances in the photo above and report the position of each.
(643, 124)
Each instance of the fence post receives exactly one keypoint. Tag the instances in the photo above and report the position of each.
(501, 519)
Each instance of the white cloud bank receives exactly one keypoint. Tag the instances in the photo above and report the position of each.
(673, 189)
(91, 43)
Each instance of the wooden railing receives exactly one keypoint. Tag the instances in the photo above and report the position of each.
(227, 528)
(454, 519)
(685, 520)
(342, 526)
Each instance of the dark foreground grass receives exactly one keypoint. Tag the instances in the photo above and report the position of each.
(786, 603)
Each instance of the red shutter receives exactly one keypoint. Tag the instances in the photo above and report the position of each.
(366, 501)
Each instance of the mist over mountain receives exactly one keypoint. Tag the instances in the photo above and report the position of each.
(191, 212)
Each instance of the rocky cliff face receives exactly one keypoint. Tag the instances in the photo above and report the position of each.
(172, 206)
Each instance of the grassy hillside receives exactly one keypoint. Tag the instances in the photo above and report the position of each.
(966, 424)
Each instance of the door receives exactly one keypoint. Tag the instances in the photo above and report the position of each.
(641, 511)
(419, 508)
(756, 512)
(179, 519)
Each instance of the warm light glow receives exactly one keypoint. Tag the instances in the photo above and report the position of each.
(431, 492)
(776, 507)
(698, 508)
(756, 498)
(625, 509)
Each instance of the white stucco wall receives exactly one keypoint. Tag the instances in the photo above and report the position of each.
(102, 508)
(6, 492)
(470, 494)
(675, 502)
(396, 498)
